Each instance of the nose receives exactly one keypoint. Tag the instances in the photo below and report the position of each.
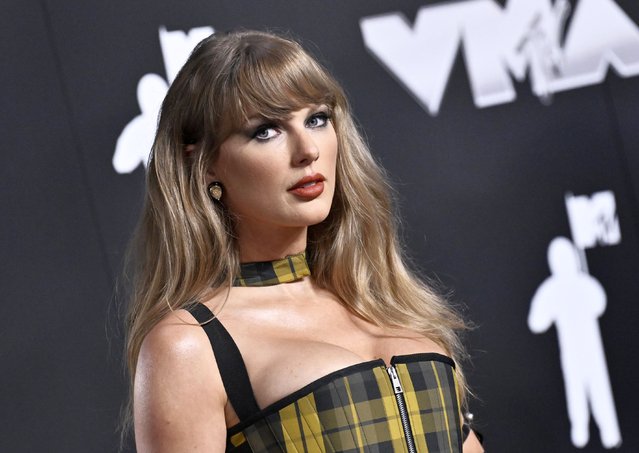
(305, 149)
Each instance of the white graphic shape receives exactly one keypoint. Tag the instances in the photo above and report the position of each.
(422, 56)
(573, 301)
(593, 220)
(541, 47)
(136, 139)
(177, 46)
(134, 143)
(601, 35)
(524, 37)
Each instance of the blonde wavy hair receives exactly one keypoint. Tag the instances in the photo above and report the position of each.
(185, 244)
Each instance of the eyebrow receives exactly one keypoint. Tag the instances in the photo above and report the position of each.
(257, 120)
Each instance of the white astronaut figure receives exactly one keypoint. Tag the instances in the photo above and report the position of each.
(135, 141)
(574, 301)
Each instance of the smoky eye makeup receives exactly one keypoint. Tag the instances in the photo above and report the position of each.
(318, 119)
(256, 126)
(264, 132)
(263, 129)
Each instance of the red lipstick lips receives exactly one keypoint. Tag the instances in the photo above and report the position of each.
(309, 187)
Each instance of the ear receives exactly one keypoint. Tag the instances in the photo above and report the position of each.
(188, 149)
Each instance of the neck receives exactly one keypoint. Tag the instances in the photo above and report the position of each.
(293, 268)
(267, 243)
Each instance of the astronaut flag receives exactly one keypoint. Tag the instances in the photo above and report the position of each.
(593, 220)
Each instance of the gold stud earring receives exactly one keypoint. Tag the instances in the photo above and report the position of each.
(215, 190)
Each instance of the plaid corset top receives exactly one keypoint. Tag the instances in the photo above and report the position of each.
(409, 405)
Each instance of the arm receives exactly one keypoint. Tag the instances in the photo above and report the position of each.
(597, 297)
(541, 315)
(178, 396)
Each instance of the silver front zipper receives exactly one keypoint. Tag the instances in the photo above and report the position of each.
(403, 412)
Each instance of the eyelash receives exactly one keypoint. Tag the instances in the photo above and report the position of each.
(322, 115)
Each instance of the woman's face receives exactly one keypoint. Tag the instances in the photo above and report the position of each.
(279, 173)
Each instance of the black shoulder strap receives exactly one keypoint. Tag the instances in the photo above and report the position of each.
(229, 362)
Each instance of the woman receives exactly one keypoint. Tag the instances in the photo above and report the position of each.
(258, 176)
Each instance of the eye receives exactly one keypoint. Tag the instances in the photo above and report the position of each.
(319, 119)
(265, 132)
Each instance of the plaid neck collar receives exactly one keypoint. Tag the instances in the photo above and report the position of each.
(267, 273)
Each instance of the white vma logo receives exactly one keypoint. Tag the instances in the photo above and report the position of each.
(135, 141)
(499, 43)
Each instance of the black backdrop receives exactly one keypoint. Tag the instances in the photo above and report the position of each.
(481, 192)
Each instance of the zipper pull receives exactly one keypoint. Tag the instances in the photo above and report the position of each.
(397, 386)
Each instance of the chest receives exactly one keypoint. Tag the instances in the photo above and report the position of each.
(287, 346)
(362, 408)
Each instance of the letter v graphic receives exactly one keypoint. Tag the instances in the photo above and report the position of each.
(420, 57)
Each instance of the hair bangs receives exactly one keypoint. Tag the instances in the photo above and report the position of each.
(272, 82)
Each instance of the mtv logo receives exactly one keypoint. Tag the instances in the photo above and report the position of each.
(593, 219)
(135, 142)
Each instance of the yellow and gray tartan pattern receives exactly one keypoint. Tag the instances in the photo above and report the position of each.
(358, 412)
(431, 396)
(289, 269)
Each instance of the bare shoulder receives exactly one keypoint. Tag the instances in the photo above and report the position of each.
(176, 337)
(178, 395)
